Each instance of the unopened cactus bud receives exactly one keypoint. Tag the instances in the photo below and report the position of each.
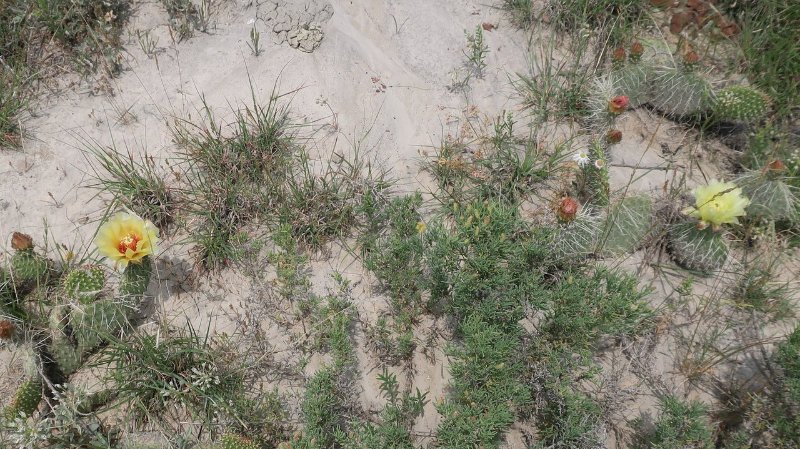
(567, 209)
(7, 329)
(618, 56)
(618, 104)
(613, 136)
(691, 58)
(637, 50)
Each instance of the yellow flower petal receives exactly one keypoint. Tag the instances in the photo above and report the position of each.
(126, 238)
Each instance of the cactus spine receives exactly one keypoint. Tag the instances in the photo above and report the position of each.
(135, 279)
(702, 250)
(26, 399)
(84, 284)
(680, 91)
(627, 225)
(770, 197)
(741, 104)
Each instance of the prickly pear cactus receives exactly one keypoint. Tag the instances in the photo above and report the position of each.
(579, 237)
(741, 104)
(29, 270)
(628, 223)
(696, 249)
(65, 354)
(680, 92)
(632, 80)
(597, 176)
(232, 441)
(770, 198)
(26, 399)
(135, 279)
(91, 323)
(85, 283)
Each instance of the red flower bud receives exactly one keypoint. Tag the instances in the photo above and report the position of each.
(7, 329)
(567, 209)
(613, 136)
(637, 49)
(618, 104)
(618, 55)
(691, 57)
(776, 165)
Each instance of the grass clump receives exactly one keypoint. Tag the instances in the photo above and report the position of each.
(135, 184)
(165, 377)
(233, 178)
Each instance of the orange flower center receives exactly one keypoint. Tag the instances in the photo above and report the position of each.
(129, 242)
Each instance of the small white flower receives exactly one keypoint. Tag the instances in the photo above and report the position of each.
(581, 157)
(599, 164)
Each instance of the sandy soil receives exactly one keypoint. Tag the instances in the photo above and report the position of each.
(380, 74)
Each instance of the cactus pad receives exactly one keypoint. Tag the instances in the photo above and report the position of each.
(680, 93)
(741, 104)
(702, 250)
(578, 238)
(65, 355)
(92, 322)
(28, 270)
(135, 279)
(631, 80)
(26, 400)
(770, 199)
(627, 225)
(85, 283)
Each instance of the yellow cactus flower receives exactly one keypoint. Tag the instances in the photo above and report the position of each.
(126, 238)
(718, 203)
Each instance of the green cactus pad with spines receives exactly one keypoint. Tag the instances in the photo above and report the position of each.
(135, 280)
(92, 322)
(597, 178)
(696, 249)
(28, 270)
(770, 199)
(578, 238)
(632, 80)
(232, 441)
(85, 283)
(627, 225)
(65, 354)
(9, 301)
(680, 93)
(741, 104)
(26, 399)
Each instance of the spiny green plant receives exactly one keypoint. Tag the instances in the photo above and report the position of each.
(740, 104)
(633, 78)
(771, 196)
(26, 399)
(628, 222)
(702, 250)
(84, 284)
(678, 90)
